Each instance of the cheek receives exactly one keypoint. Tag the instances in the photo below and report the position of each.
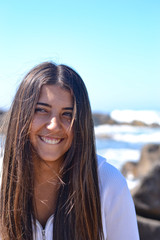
(35, 124)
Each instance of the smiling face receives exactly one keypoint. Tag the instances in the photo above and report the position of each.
(51, 133)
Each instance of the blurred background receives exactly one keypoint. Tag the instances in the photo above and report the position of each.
(114, 46)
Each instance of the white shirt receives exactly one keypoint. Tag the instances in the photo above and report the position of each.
(118, 212)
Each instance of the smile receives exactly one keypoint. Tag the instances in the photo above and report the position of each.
(52, 141)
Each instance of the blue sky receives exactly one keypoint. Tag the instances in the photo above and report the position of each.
(114, 46)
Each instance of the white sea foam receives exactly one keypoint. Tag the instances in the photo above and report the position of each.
(132, 183)
(147, 117)
(112, 129)
(129, 134)
(139, 138)
(117, 157)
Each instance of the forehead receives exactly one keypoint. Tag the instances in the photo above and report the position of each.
(54, 94)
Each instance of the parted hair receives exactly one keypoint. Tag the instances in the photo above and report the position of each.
(78, 209)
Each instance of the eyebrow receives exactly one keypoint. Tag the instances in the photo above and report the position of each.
(48, 105)
(44, 104)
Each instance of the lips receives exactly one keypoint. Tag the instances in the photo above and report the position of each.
(50, 140)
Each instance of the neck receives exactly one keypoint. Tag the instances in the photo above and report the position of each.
(44, 171)
(47, 181)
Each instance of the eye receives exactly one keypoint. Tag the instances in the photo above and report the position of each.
(67, 115)
(41, 110)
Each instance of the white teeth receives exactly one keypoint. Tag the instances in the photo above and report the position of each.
(50, 141)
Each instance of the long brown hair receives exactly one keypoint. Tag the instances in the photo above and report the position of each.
(78, 210)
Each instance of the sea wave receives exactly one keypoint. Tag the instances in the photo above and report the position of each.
(140, 138)
(117, 157)
(129, 116)
(128, 134)
(111, 129)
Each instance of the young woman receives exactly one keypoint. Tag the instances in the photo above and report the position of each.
(53, 184)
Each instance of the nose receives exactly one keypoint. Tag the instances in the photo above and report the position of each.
(53, 124)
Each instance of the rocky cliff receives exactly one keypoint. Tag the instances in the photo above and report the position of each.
(146, 195)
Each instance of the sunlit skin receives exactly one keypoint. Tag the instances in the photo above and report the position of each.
(51, 136)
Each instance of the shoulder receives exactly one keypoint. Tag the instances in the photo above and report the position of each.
(116, 203)
(114, 192)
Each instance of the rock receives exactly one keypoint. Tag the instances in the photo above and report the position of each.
(154, 125)
(100, 119)
(147, 195)
(146, 198)
(150, 155)
(130, 170)
(149, 229)
(138, 123)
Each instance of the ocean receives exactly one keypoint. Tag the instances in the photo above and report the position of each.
(122, 143)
